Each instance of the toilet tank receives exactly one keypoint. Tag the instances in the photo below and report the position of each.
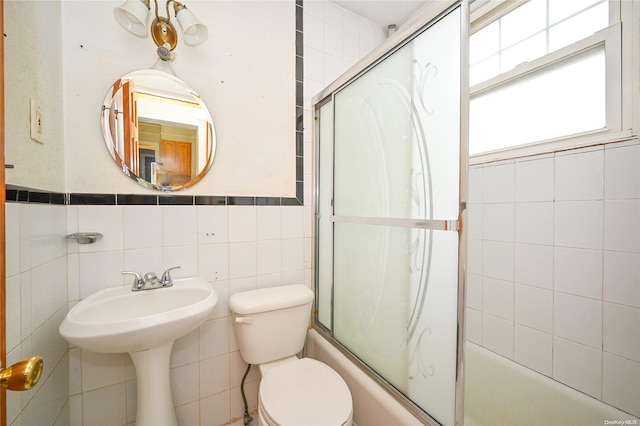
(271, 323)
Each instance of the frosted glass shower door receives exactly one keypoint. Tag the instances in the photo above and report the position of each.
(388, 205)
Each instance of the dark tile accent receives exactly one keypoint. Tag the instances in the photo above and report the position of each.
(298, 2)
(299, 119)
(58, 198)
(290, 202)
(23, 196)
(299, 144)
(93, 199)
(299, 169)
(299, 96)
(299, 42)
(176, 200)
(299, 69)
(210, 200)
(137, 199)
(40, 197)
(299, 19)
(268, 201)
(241, 201)
(11, 194)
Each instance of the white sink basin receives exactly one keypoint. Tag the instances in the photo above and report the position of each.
(117, 319)
(145, 324)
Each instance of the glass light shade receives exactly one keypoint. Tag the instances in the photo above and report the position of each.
(194, 31)
(133, 15)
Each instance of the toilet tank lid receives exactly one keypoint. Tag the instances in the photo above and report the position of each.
(269, 299)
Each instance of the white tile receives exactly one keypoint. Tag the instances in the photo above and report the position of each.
(333, 67)
(12, 239)
(579, 175)
(497, 298)
(474, 220)
(578, 271)
(142, 227)
(143, 261)
(25, 238)
(104, 406)
(26, 295)
(222, 309)
(179, 225)
(269, 222)
(473, 326)
(475, 184)
(100, 270)
(100, 370)
(242, 259)
(497, 335)
(534, 223)
(534, 180)
(269, 280)
(578, 224)
(269, 257)
(621, 383)
(474, 291)
(578, 366)
(313, 65)
(213, 262)
(332, 14)
(216, 370)
(183, 379)
(534, 265)
(622, 330)
(75, 371)
(498, 183)
(73, 280)
(350, 22)
(622, 278)
(292, 254)
(13, 315)
(333, 41)
(498, 222)
(214, 338)
(107, 220)
(474, 256)
(186, 257)
(621, 171)
(242, 223)
(578, 319)
(350, 48)
(498, 260)
(188, 414)
(213, 224)
(621, 225)
(313, 30)
(534, 349)
(534, 307)
(292, 222)
(215, 410)
(186, 349)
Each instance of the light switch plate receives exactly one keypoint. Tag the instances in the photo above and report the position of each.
(36, 121)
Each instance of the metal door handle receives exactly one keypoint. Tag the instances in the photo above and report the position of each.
(22, 375)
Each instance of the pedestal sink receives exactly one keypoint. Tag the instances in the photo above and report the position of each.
(145, 324)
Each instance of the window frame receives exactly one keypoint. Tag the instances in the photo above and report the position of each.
(621, 44)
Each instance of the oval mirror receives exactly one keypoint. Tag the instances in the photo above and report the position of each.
(158, 130)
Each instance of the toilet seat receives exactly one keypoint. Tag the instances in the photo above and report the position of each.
(305, 392)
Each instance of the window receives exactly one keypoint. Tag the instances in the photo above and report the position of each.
(545, 74)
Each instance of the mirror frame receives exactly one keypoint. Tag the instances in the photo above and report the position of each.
(111, 146)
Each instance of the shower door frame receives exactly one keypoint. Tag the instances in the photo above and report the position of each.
(387, 48)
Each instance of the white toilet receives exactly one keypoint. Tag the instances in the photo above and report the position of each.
(271, 326)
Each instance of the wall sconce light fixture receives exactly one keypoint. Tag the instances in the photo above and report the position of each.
(133, 16)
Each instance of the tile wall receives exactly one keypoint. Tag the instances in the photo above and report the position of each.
(36, 290)
(234, 248)
(554, 267)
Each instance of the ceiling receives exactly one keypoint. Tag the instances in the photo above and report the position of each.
(383, 12)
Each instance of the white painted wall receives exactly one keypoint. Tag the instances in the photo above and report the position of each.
(244, 72)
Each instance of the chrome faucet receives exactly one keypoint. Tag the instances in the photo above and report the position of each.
(150, 280)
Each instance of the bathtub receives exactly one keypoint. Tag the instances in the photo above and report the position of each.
(501, 392)
(497, 392)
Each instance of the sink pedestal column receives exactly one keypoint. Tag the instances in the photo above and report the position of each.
(155, 404)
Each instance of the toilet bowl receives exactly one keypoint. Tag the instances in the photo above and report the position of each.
(271, 326)
(304, 392)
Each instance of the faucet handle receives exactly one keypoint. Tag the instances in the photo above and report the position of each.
(166, 276)
(139, 281)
